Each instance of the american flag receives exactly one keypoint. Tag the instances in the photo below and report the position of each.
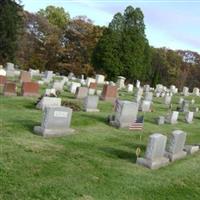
(137, 124)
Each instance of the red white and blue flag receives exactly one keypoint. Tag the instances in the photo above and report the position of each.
(137, 124)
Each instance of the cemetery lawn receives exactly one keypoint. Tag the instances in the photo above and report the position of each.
(96, 163)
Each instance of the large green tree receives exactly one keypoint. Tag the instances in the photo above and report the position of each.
(10, 27)
(56, 16)
(123, 48)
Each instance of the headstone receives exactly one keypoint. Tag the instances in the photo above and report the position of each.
(30, 89)
(172, 117)
(173, 89)
(145, 106)
(2, 80)
(98, 92)
(185, 106)
(146, 88)
(185, 91)
(130, 87)
(125, 114)
(74, 86)
(48, 102)
(10, 70)
(167, 99)
(56, 122)
(34, 72)
(25, 77)
(154, 157)
(90, 80)
(58, 85)
(109, 93)
(189, 117)
(137, 84)
(10, 89)
(91, 104)
(175, 145)
(148, 96)
(159, 88)
(120, 82)
(2, 71)
(191, 149)
(81, 92)
(161, 120)
(138, 95)
(48, 75)
(50, 92)
(100, 79)
(196, 91)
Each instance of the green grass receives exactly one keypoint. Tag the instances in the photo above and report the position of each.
(97, 163)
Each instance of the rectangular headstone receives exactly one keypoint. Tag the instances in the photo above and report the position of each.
(91, 104)
(30, 89)
(175, 145)
(56, 122)
(109, 93)
(10, 89)
(154, 156)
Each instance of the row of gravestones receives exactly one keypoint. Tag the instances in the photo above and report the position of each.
(172, 118)
(159, 153)
(27, 89)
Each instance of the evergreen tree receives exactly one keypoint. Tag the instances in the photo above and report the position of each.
(10, 26)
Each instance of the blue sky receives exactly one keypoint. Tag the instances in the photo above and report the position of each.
(171, 23)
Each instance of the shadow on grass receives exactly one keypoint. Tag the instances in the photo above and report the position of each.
(121, 154)
(93, 117)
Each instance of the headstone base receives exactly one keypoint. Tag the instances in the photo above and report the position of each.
(190, 149)
(52, 133)
(153, 164)
(177, 156)
(91, 110)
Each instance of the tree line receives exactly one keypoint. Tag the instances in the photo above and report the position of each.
(51, 40)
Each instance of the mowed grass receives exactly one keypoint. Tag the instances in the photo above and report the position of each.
(96, 163)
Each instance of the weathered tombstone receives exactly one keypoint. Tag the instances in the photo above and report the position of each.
(30, 89)
(172, 117)
(2, 71)
(91, 104)
(74, 86)
(48, 75)
(145, 106)
(189, 117)
(167, 99)
(25, 77)
(146, 88)
(130, 88)
(175, 145)
(10, 89)
(50, 92)
(185, 106)
(58, 85)
(138, 95)
(10, 70)
(125, 114)
(154, 156)
(90, 80)
(173, 89)
(34, 72)
(137, 84)
(120, 82)
(100, 79)
(196, 91)
(81, 92)
(56, 122)
(190, 149)
(161, 120)
(2, 80)
(109, 93)
(148, 96)
(159, 88)
(181, 100)
(48, 102)
(185, 91)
